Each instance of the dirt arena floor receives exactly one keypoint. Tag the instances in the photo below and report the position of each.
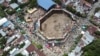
(56, 26)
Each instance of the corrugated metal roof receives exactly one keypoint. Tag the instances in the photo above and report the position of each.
(2, 21)
(14, 5)
(46, 4)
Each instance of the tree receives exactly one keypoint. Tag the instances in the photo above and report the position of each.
(78, 38)
(22, 45)
(3, 41)
(24, 5)
(5, 53)
(97, 33)
(13, 1)
(92, 49)
(10, 11)
(19, 54)
(97, 9)
(2, 13)
(23, 32)
(39, 46)
(58, 1)
(65, 54)
(94, 23)
(33, 3)
(69, 8)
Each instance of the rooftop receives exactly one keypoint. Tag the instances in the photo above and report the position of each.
(46, 4)
(2, 21)
(32, 48)
(14, 5)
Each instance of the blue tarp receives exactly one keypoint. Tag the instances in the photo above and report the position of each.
(6, 24)
(46, 4)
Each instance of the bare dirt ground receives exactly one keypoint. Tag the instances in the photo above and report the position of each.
(56, 26)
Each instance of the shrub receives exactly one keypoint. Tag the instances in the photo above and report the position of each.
(22, 31)
(22, 45)
(69, 8)
(19, 54)
(2, 13)
(39, 46)
(10, 11)
(93, 23)
(97, 32)
(72, 10)
(65, 54)
(97, 9)
(14, 1)
(58, 1)
(32, 3)
(78, 38)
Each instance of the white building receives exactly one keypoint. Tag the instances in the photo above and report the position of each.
(2, 32)
(97, 14)
(1, 1)
(22, 1)
(12, 38)
(2, 21)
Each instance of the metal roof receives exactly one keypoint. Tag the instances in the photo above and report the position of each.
(46, 4)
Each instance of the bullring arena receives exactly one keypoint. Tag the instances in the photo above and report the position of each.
(56, 24)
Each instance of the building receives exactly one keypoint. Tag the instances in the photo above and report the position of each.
(1, 1)
(45, 4)
(52, 28)
(2, 21)
(97, 14)
(2, 32)
(14, 5)
(22, 1)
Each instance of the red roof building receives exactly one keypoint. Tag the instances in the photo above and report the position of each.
(32, 48)
(92, 29)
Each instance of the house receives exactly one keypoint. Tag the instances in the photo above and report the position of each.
(8, 0)
(45, 4)
(2, 21)
(7, 48)
(14, 5)
(22, 1)
(8, 24)
(86, 3)
(87, 38)
(18, 40)
(31, 10)
(1, 1)
(32, 49)
(12, 38)
(2, 32)
(5, 23)
(97, 15)
(25, 53)
(92, 29)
